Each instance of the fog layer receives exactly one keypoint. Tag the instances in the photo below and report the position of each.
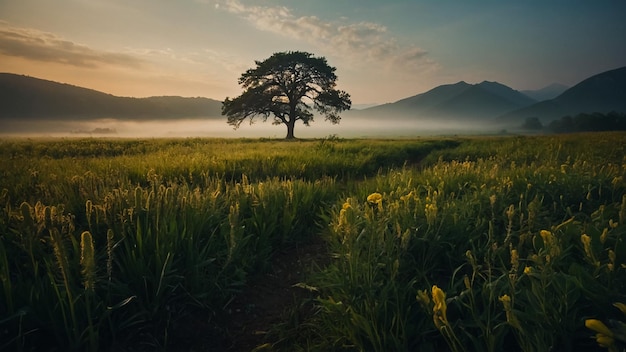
(348, 128)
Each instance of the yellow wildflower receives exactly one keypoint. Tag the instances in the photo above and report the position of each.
(375, 198)
(514, 260)
(546, 236)
(605, 232)
(598, 326)
(508, 309)
(342, 217)
(510, 212)
(612, 258)
(586, 240)
(469, 255)
(604, 341)
(344, 212)
(431, 213)
(550, 243)
(528, 270)
(440, 316)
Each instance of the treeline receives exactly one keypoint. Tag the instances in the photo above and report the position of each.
(584, 122)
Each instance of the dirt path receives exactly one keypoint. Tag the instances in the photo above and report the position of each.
(265, 301)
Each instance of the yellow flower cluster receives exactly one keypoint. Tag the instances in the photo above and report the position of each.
(586, 240)
(343, 221)
(605, 233)
(376, 199)
(514, 260)
(605, 337)
(440, 308)
(508, 309)
(550, 243)
(430, 210)
(528, 270)
(612, 257)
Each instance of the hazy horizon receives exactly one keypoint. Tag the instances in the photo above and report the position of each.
(211, 127)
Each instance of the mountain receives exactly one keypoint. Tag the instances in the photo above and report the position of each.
(549, 92)
(23, 97)
(362, 106)
(461, 100)
(602, 93)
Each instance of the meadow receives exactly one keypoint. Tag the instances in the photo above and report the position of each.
(458, 243)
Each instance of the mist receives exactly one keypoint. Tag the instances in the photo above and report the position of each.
(348, 128)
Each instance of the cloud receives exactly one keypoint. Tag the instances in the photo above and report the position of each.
(361, 42)
(36, 45)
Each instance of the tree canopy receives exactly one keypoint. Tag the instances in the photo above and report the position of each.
(288, 86)
(589, 122)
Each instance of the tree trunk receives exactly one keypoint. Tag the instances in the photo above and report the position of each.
(290, 126)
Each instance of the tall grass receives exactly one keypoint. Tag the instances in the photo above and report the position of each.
(124, 243)
(436, 244)
(500, 244)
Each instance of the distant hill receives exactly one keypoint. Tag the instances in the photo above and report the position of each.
(461, 100)
(601, 93)
(549, 92)
(32, 98)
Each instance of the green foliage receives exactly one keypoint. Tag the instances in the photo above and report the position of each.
(584, 122)
(532, 123)
(501, 228)
(121, 243)
(508, 243)
(288, 85)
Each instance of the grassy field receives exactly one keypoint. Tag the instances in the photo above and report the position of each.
(464, 244)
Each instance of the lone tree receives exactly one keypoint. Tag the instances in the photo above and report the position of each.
(287, 85)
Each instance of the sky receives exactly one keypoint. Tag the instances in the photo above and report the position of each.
(384, 51)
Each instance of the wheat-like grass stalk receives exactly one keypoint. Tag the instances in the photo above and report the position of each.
(110, 244)
(60, 255)
(87, 261)
(5, 278)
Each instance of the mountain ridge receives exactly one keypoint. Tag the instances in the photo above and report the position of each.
(28, 97)
(461, 100)
(548, 92)
(601, 93)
